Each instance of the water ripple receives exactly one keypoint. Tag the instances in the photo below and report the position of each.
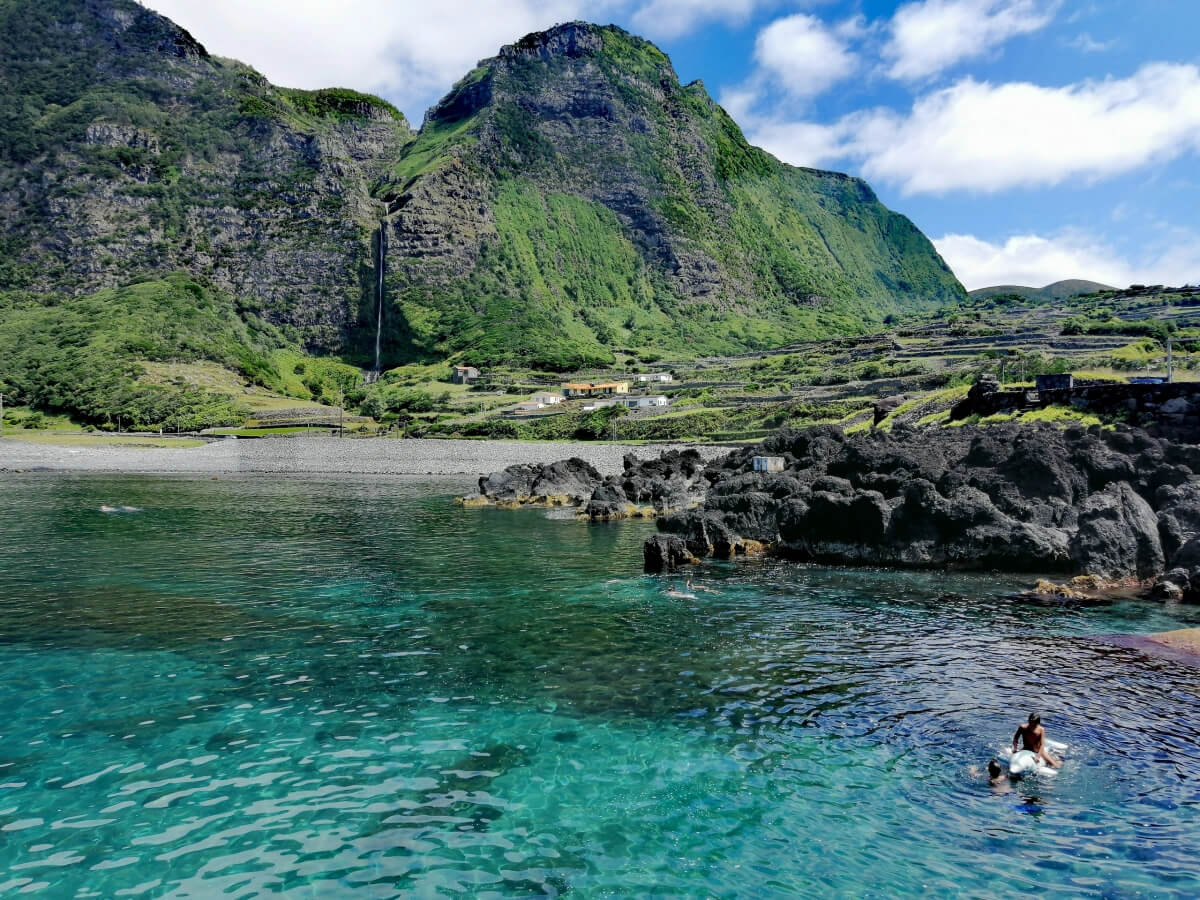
(353, 688)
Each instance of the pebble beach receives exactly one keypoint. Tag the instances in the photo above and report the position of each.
(322, 456)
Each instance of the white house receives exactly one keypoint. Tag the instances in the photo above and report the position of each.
(645, 402)
(656, 377)
(547, 399)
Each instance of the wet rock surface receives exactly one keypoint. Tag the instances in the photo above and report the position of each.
(565, 483)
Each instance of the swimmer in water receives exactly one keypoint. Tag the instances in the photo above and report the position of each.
(700, 587)
(996, 776)
(1033, 736)
(672, 592)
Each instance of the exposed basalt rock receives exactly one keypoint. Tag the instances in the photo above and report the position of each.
(1117, 529)
(1182, 578)
(666, 553)
(569, 482)
(647, 488)
(1009, 498)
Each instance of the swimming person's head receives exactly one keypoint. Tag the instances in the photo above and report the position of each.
(1035, 720)
(994, 769)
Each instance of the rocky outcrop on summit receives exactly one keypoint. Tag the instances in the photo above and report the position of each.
(1009, 498)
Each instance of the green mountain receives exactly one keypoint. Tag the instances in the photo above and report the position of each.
(126, 149)
(566, 198)
(570, 195)
(1059, 290)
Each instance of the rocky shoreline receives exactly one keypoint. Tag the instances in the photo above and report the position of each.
(1114, 504)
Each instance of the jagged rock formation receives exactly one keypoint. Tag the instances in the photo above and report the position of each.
(1113, 504)
(567, 197)
(645, 488)
(569, 482)
(652, 487)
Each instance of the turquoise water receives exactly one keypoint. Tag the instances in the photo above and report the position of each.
(352, 688)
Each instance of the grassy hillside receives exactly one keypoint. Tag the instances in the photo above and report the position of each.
(584, 201)
(169, 353)
(1059, 290)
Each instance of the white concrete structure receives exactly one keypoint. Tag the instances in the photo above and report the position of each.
(547, 399)
(656, 377)
(768, 463)
(645, 402)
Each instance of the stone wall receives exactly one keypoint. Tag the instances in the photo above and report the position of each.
(1174, 408)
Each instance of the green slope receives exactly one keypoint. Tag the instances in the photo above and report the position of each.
(126, 149)
(584, 200)
(81, 357)
(1059, 290)
(567, 199)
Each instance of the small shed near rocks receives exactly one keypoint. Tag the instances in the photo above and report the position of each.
(768, 463)
(465, 375)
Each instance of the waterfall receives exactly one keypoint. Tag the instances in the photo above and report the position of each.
(379, 289)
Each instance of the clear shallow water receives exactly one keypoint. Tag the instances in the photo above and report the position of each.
(352, 688)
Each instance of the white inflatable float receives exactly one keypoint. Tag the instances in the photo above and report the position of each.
(1026, 762)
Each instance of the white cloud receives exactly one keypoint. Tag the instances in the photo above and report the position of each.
(1034, 260)
(802, 55)
(932, 35)
(984, 138)
(409, 51)
(799, 143)
(1087, 44)
(672, 18)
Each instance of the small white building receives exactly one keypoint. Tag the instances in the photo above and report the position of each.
(656, 378)
(530, 406)
(547, 399)
(768, 463)
(646, 402)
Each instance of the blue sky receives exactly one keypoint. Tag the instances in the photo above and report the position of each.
(1032, 140)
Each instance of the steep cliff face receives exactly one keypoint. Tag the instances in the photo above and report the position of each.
(570, 195)
(566, 198)
(127, 149)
